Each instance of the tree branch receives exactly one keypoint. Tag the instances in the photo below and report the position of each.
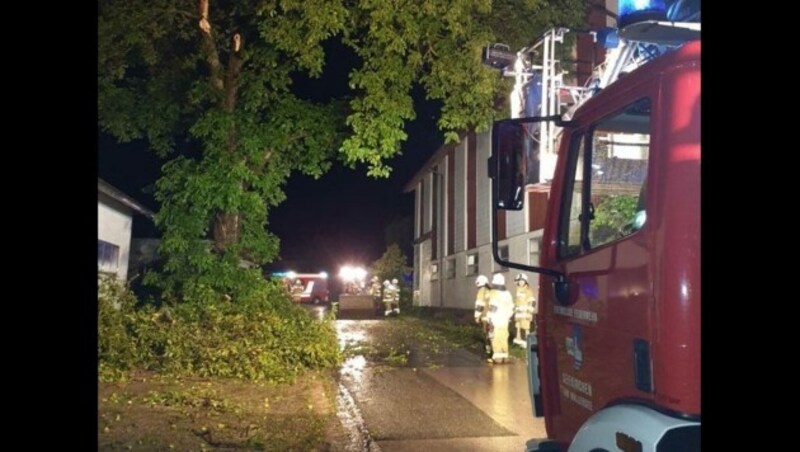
(299, 136)
(232, 75)
(181, 12)
(208, 46)
(232, 85)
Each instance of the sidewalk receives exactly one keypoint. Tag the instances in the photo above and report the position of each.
(439, 400)
(500, 391)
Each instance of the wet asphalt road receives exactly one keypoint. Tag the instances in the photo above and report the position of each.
(444, 401)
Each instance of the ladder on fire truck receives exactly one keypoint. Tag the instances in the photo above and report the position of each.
(640, 43)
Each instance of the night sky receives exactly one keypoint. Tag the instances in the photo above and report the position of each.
(339, 218)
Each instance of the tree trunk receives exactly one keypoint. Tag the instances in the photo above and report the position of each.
(226, 230)
(226, 225)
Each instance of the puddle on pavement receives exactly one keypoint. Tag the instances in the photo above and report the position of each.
(353, 368)
(350, 334)
(349, 415)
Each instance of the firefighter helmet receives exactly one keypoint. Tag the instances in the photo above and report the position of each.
(521, 276)
(498, 279)
(394, 281)
(481, 281)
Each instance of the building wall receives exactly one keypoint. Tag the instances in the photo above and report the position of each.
(515, 222)
(460, 196)
(457, 289)
(425, 298)
(483, 185)
(589, 54)
(417, 204)
(114, 222)
(454, 288)
(459, 292)
(427, 213)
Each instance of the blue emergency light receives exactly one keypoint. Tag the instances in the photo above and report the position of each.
(608, 37)
(633, 11)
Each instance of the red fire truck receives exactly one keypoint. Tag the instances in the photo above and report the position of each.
(615, 361)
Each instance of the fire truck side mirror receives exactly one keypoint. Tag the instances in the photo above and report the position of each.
(508, 164)
(513, 165)
(515, 158)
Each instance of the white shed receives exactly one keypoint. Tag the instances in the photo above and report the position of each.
(114, 226)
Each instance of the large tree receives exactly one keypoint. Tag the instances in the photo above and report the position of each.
(208, 86)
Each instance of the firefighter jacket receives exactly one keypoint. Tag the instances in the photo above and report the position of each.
(525, 302)
(297, 291)
(375, 289)
(388, 293)
(482, 304)
(501, 307)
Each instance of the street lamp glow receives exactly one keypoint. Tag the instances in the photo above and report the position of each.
(360, 273)
(349, 273)
(346, 273)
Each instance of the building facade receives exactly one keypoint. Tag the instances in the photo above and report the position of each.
(452, 207)
(453, 227)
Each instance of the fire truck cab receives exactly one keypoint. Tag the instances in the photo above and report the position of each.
(615, 361)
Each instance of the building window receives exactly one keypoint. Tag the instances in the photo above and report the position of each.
(107, 257)
(503, 252)
(472, 264)
(450, 268)
(533, 252)
(434, 272)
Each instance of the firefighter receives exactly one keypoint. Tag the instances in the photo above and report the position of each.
(525, 308)
(388, 297)
(297, 290)
(501, 308)
(396, 296)
(482, 311)
(375, 292)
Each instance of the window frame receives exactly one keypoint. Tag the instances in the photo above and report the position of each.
(108, 256)
(472, 269)
(585, 137)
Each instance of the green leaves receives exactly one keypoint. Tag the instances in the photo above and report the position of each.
(298, 27)
(392, 264)
(264, 337)
(217, 99)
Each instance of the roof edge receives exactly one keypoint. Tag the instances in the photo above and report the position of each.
(433, 161)
(108, 189)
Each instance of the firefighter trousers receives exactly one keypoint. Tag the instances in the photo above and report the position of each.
(500, 343)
